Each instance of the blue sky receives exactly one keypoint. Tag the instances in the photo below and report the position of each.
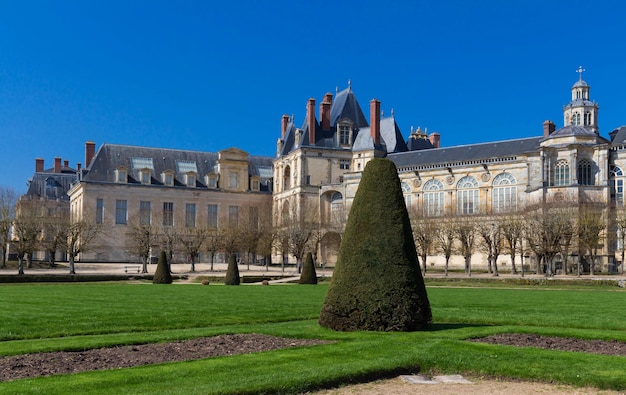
(205, 76)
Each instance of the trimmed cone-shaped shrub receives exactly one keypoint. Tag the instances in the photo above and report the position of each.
(162, 274)
(377, 284)
(232, 273)
(308, 275)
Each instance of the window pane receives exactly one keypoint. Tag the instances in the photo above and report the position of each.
(99, 210)
(145, 212)
(168, 214)
(233, 215)
(120, 212)
(190, 215)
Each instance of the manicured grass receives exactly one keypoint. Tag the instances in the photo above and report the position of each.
(76, 316)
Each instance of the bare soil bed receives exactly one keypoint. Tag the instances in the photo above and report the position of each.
(63, 362)
(45, 364)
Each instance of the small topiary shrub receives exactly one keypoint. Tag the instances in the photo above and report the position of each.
(377, 284)
(265, 282)
(162, 274)
(308, 275)
(205, 282)
(232, 273)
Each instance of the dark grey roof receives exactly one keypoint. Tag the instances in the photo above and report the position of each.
(390, 135)
(465, 153)
(572, 130)
(416, 143)
(110, 157)
(580, 83)
(50, 185)
(618, 136)
(346, 106)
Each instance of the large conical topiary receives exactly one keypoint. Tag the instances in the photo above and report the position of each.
(308, 275)
(162, 274)
(232, 273)
(377, 284)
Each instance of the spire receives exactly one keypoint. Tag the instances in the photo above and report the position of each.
(580, 73)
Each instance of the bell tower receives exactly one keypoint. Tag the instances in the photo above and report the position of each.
(581, 111)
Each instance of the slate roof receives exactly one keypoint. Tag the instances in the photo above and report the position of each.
(50, 185)
(572, 130)
(618, 136)
(110, 157)
(465, 153)
(390, 135)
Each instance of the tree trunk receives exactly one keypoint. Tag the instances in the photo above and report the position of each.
(447, 261)
(513, 267)
(495, 268)
(4, 258)
(522, 263)
(29, 260)
(424, 264)
(468, 265)
(144, 263)
(20, 265)
(51, 260)
(72, 268)
(212, 259)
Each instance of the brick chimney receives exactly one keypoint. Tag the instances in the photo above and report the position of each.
(283, 126)
(375, 121)
(548, 128)
(38, 165)
(79, 166)
(57, 165)
(310, 118)
(90, 152)
(435, 139)
(325, 111)
(66, 163)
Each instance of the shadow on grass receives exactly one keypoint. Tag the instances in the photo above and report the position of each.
(447, 327)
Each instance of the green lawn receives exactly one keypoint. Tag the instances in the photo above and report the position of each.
(77, 316)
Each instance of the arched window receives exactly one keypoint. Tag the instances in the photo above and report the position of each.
(467, 199)
(576, 118)
(336, 208)
(561, 173)
(433, 198)
(406, 190)
(587, 118)
(585, 172)
(617, 186)
(504, 193)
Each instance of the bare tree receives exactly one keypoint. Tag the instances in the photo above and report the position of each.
(465, 231)
(445, 236)
(212, 244)
(424, 235)
(299, 228)
(26, 230)
(620, 223)
(512, 227)
(546, 225)
(590, 228)
(192, 240)
(169, 239)
(80, 234)
(54, 234)
(8, 199)
(142, 237)
(491, 234)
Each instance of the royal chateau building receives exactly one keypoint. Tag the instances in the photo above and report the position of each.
(318, 165)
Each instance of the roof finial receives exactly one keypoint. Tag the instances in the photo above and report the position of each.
(392, 111)
(350, 84)
(580, 73)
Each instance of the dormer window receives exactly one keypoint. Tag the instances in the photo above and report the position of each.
(167, 177)
(344, 164)
(121, 175)
(190, 179)
(345, 130)
(234, 180)
(255, 184)
(145, 176)
(211, 181)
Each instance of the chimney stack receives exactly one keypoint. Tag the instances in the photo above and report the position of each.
(57, 165)
(79, 166)
(325, 111)
(38, 165)
(435, 139)
(90, 152)
(284, 123)
(310, 117)
(548, 128)
(66, 163)
(375, 121)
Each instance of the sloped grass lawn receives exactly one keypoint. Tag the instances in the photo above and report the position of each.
(48, 317)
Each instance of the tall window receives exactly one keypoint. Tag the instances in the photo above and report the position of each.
(406, 190)
(504, 193)
(145, 212)
(120, 212)
(433, 198)
(190, 215)
(168, 214)
(254, 217)
(234, 180)
(576, 118)
(467, 196)
(336, 208)
(233, 215)
(344, 134)
(617, 185)
(212, 216)
(561, 173)
(99, 210)
(587, 118)
(585, 172)
(287, 178)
